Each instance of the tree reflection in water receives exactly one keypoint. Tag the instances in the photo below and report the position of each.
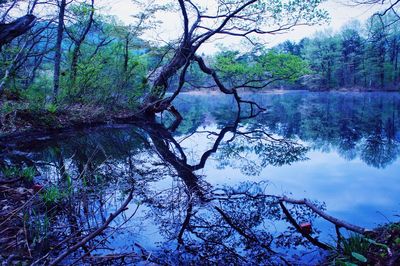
(355, 125)
(195, 221)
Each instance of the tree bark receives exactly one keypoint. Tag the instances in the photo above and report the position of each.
(12, 30)
(57, 55)
(184, 53)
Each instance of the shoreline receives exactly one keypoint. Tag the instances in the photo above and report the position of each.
(23, 125)
(34, 124)
(281, 91)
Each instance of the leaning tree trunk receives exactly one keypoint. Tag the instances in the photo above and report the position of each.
(12, 30)
(160, 85)
(182, 59)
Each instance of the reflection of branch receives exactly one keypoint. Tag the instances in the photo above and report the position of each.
(208, 153)
(95, 233)
(326, 216)
(185, 223)
(241, 232)
(106, 237)
(212, 241)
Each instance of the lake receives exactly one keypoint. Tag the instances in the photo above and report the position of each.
(206, 190)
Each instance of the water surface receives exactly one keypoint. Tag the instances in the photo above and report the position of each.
(205, 191)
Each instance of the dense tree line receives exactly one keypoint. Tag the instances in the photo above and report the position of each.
(359, 56)
(74, 54)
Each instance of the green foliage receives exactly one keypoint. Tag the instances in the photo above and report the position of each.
(6, 108)
(104, 79)
(359, 257)
(371, 241)
(10, 172)
(37, 93)
(39, 227)
(51, 108)
(27, 173)
(352, 250)
(284, 66)
(52, 195)
(259, 70)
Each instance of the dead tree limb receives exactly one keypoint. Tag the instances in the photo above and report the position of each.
(329, 218)
(314, 241)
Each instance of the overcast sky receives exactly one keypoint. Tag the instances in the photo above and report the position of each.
(339, 12)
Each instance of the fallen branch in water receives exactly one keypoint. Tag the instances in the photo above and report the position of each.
(335, 221)
(314, 241)
(95, 233)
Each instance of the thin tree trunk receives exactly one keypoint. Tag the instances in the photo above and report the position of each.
(10, 68)
(57, 56)
(74, 63)
(126, 53)
(78, 43)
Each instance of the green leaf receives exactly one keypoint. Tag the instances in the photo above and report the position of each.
(359, 257)
(376, 243)
(350, 264)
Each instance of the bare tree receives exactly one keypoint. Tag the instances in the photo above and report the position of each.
(27, 48)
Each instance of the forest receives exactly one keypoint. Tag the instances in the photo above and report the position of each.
(363, 56)
(72, 53)
(118, 148)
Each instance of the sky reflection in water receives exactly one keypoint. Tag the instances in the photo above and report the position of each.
(352, 164)
(340, 149)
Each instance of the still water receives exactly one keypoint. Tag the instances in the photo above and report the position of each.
(205, 191)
